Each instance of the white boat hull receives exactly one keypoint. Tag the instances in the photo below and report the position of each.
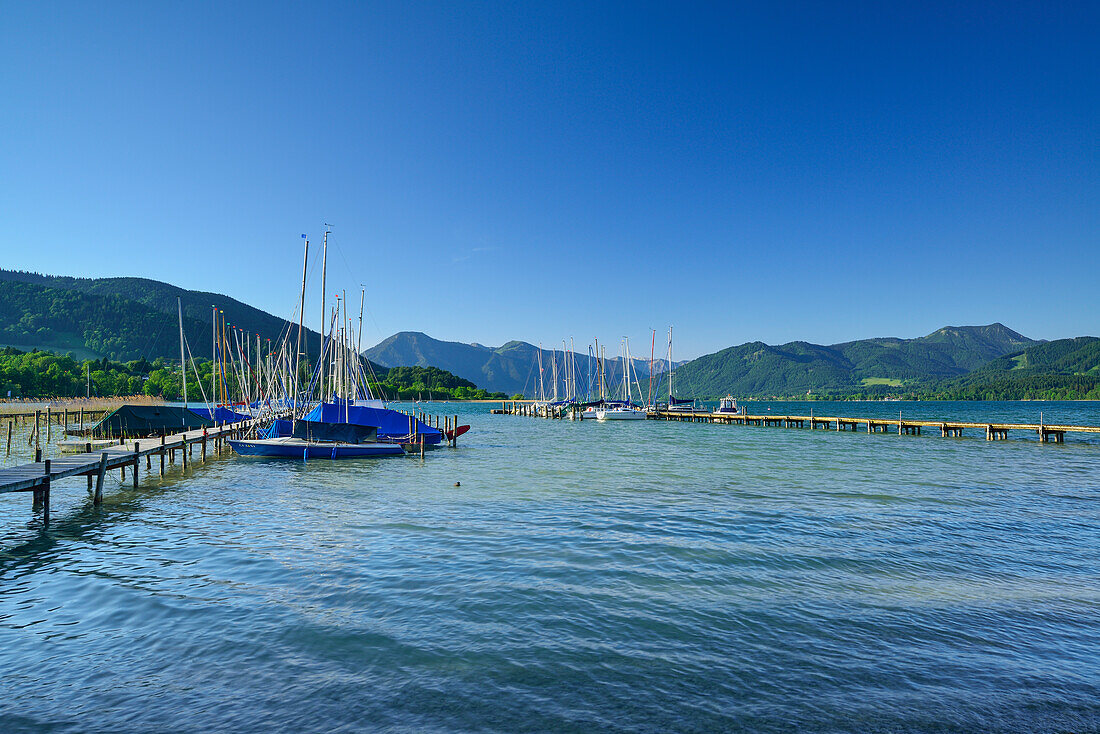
(621, 414)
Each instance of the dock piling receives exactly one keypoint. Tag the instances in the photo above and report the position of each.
(98, 498)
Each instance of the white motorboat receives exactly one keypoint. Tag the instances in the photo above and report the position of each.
(728, 405)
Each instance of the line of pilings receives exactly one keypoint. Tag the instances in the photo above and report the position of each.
(1047, 433)
(39, 476)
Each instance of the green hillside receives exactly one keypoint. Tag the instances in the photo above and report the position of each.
(869, 367)
(119, 318)
(105, 325)
(1057, 370)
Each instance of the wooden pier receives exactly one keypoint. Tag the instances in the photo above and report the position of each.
(1046, 432)
(38, 476)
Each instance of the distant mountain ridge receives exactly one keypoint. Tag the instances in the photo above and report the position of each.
(131, 318)
(510, 368)
(874, 366)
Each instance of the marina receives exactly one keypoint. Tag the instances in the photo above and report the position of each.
(993, 431)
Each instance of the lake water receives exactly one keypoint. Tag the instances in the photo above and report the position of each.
(584, 577)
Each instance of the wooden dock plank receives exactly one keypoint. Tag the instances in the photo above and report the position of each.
(28, 476)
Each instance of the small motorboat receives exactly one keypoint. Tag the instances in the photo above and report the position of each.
(728, 405)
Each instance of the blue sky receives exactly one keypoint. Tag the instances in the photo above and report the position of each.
(536, 171)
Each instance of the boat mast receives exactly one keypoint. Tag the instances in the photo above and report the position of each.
(214, 356)
(652, 345)
(183, 361)
(298, 349)
(324, 273)
(542, 389)
(599, 370)
(626, 372)
(670, 366)
(359, 344)
(554, 368)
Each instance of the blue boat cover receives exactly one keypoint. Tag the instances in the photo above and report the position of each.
(390, 423)
(277, 429)
(221, 415)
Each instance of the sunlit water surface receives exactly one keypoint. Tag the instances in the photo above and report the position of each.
(584, 577)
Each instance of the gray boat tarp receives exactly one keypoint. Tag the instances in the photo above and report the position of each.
(148, 420)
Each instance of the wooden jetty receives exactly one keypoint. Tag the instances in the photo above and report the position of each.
(1046, 432)
(38, 476)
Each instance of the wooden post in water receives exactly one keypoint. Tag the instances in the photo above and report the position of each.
(162, 454)
(203, 445)
(422, 447)
(37, 414)
(10, 424)
(454, 441)
(46, 496)
(49, 426)
(98, 498)
(37, 455)
(88, 450)
(183, 452)
(137, 458)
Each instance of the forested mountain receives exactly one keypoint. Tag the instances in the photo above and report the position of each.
(125, 319)
(119, 318)
(511, 368)
(35, 316)
(1062, 369)
(872, 367)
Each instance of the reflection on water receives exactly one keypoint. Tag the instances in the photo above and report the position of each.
(634, 577)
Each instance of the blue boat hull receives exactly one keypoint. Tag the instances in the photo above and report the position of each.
(292, 449)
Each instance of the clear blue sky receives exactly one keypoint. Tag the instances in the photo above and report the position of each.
(539, 170)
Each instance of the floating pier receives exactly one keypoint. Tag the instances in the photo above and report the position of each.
(1047, 433)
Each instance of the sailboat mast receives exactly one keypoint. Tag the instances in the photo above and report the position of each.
(599, 370)
(652, 346)
(324, 273)
(214, 356)
(298, 349)
(670, 366)
(542, 389)
(554, 369)
(183, 361)
(359, 340)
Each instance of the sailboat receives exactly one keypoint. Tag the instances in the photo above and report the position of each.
(336, 417)
(625, 410)
(676, 405)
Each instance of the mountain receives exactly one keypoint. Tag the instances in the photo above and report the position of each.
(1061, 369)
(873, 366)
(120, 318)
(511, 368)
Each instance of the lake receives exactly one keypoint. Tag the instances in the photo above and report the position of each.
(636, 576)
